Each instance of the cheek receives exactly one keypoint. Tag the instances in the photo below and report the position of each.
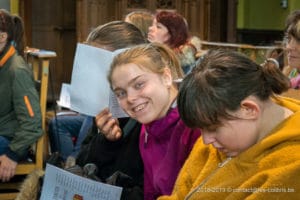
(160, 36)
(165, 37)
(123, 104)
(245, 138)
(229, 137)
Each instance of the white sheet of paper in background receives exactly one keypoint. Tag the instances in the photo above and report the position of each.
(60, 184)
(64, 97)
(90, 91)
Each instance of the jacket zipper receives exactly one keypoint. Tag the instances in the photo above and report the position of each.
(145, 139)
(220, 165)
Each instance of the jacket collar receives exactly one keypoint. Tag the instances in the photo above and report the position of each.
(11, 51)
(161, 128)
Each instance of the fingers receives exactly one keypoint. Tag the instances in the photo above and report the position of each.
(7, 168)
(103, 117)
(115, 133)
(108, 126)
(6, 174)
(111, 130)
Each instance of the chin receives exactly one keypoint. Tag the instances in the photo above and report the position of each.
(143, 120)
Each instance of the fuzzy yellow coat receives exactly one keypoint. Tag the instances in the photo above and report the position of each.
(268, 170)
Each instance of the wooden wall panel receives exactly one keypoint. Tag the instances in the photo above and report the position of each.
(211, 20)
(53, 28)
(59, 24)
(91, 13)
(197, 15)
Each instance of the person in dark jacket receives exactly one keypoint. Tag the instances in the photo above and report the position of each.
(20, 114)
(118, 162)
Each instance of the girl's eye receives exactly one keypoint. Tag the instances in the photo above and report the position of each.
(139, 85)
(120, 94)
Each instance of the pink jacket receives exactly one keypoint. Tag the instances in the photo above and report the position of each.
(164, 145)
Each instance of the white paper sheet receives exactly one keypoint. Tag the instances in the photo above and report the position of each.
(64, 97)
(63, 185)
(90, 91)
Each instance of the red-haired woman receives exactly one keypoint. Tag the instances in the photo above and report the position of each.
(172, 29)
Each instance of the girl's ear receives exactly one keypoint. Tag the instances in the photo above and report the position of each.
(3, 37)
(167, 77)
(249, 109)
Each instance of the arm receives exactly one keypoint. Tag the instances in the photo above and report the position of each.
(28, 113)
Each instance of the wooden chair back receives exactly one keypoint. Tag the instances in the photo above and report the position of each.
(255, 53)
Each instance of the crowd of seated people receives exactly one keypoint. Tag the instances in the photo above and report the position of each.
(195, 123)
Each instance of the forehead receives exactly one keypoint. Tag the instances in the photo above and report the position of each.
(126, 70)
(123, 75)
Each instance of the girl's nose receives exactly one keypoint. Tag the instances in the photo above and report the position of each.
(131, 96)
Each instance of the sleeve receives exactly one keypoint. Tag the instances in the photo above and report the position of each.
(295, 82)
(27, 109)
(97, 149)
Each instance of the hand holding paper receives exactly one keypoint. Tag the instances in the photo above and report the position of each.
(89, 90)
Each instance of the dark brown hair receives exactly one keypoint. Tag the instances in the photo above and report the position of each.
(176, 25)
(220, 82)
(292, 18)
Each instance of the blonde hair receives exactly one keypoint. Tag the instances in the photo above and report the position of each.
(141, 19)
(152, 57)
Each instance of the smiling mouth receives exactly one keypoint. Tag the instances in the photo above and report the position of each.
(139, 107)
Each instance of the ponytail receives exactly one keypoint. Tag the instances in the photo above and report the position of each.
(18, 34)
(275, 79)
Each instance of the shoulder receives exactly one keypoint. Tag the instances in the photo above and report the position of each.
(18, 61)
(18, 64)
(20, 67)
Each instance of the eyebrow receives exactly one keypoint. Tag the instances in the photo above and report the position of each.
(130, 82)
